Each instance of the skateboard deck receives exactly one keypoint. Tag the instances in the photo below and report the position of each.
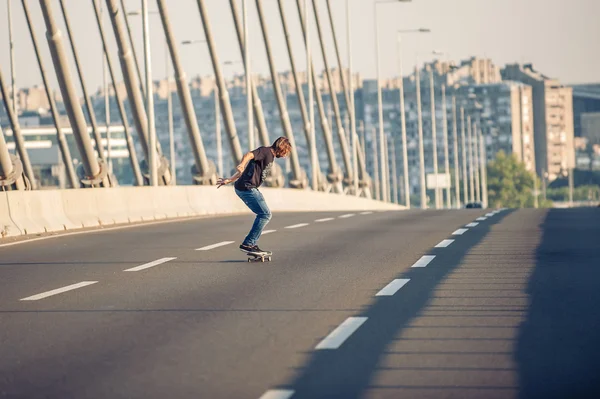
(258, 257)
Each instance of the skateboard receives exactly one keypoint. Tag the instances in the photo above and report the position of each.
(258, 257)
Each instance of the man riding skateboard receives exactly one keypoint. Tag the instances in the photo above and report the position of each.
(251, 172)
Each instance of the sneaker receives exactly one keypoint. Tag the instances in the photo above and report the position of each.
(247, 248)
(262, 251)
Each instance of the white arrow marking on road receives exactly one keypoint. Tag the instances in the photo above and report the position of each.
(444, 243)
(460, 232)
(296, 226)
(58, 291)
(424, 261)
(337, 337)
(217, 245)
(277, 394)
(393, 287)
(149, 265)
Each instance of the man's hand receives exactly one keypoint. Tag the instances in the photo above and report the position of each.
(222, 182)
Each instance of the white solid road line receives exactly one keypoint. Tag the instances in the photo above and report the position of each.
(366, 213)
(460, 232)
(444, 243)
(323, 220)
(149, 265)
(277, 394)
(472, 224)
(349, 215)
(424, 261)
(268, 232)
(337, 337)
(393, 287)
(217, 245)
(58, 291)
(481, 219)
(296, 226)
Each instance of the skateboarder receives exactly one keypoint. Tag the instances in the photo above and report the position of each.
(251, 172)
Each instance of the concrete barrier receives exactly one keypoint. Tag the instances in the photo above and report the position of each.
(111, 205)
(33, 212)
(26, 211)
(81, 207)
(172, 202)
(8, 228)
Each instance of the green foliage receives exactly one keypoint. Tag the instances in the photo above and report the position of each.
(510, 185)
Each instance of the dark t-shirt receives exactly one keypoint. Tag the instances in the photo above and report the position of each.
(257, 169)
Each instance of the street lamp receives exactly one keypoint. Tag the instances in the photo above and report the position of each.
(149, 92)
(384, 191)
(218, 138)
(12, 58)
(402, 111)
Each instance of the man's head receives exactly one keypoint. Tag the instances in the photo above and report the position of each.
(282, 147)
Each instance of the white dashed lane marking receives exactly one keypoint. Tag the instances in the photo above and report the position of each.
(349, 215)
(481, 219)
(277, 394)
(323, 220)
(296, 226)
(217, 245)
(460, 232)
(444, 243)
(424, 261)
(338, 336)
(472, 224)
(268, 232)
(58, 291)
(366, 213)
(149, 265)
(393, 287)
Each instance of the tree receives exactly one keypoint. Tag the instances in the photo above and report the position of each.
(510, 185)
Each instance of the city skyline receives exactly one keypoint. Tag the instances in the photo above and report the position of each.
(524, 42)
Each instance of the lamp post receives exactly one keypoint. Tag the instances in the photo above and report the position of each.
(248, 77)
(149, 91)
(311, 107)
(12, 58)
(218, 138)
(403, 113)
(351, 106)
(384, 184)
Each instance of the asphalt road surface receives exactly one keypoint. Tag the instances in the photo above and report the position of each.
(414, 304)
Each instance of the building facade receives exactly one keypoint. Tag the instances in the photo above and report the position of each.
(553, 120)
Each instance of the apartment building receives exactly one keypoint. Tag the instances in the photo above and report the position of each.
(553, 120)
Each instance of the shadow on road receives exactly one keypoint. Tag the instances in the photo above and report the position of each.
(348, 372)
(558, 349)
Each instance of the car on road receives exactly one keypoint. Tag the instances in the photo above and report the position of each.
(474, 205)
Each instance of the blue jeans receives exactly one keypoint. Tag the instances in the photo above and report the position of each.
(256, 202)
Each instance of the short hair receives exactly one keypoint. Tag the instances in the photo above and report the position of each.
(282, 147)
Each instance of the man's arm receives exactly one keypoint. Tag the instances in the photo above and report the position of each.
(239, 170)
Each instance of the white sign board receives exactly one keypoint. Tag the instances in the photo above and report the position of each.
(442, 180)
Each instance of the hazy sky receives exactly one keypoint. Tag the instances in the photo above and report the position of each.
(558, 36)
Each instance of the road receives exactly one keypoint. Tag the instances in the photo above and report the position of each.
(413, 304)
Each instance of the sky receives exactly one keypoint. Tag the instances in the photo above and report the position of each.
(558, 36)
